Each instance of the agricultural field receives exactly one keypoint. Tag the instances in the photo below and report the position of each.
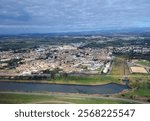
(119, 67)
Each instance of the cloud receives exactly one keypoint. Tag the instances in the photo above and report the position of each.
(74, 14)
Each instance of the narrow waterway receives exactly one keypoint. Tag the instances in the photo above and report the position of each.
(110, 88)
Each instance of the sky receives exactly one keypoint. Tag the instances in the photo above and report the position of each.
(44, 16)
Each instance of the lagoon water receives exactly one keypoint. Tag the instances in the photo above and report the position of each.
(110, 88)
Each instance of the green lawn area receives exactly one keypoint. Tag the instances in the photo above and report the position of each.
(21, 98)
(89, 79)
(43, 99)
(144, 62)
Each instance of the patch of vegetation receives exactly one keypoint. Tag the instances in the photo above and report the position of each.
(97, 101)
(49, 99)
(142, 90)
(144, 62)
(21, 98)
(88, 79)
(136, 78)
(119, 66)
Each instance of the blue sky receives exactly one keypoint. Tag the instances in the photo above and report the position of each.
(25, 16)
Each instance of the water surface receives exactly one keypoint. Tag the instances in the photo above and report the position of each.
(110, 88)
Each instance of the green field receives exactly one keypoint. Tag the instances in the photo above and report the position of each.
(55, 99)
(143, 62)
(89, 79)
